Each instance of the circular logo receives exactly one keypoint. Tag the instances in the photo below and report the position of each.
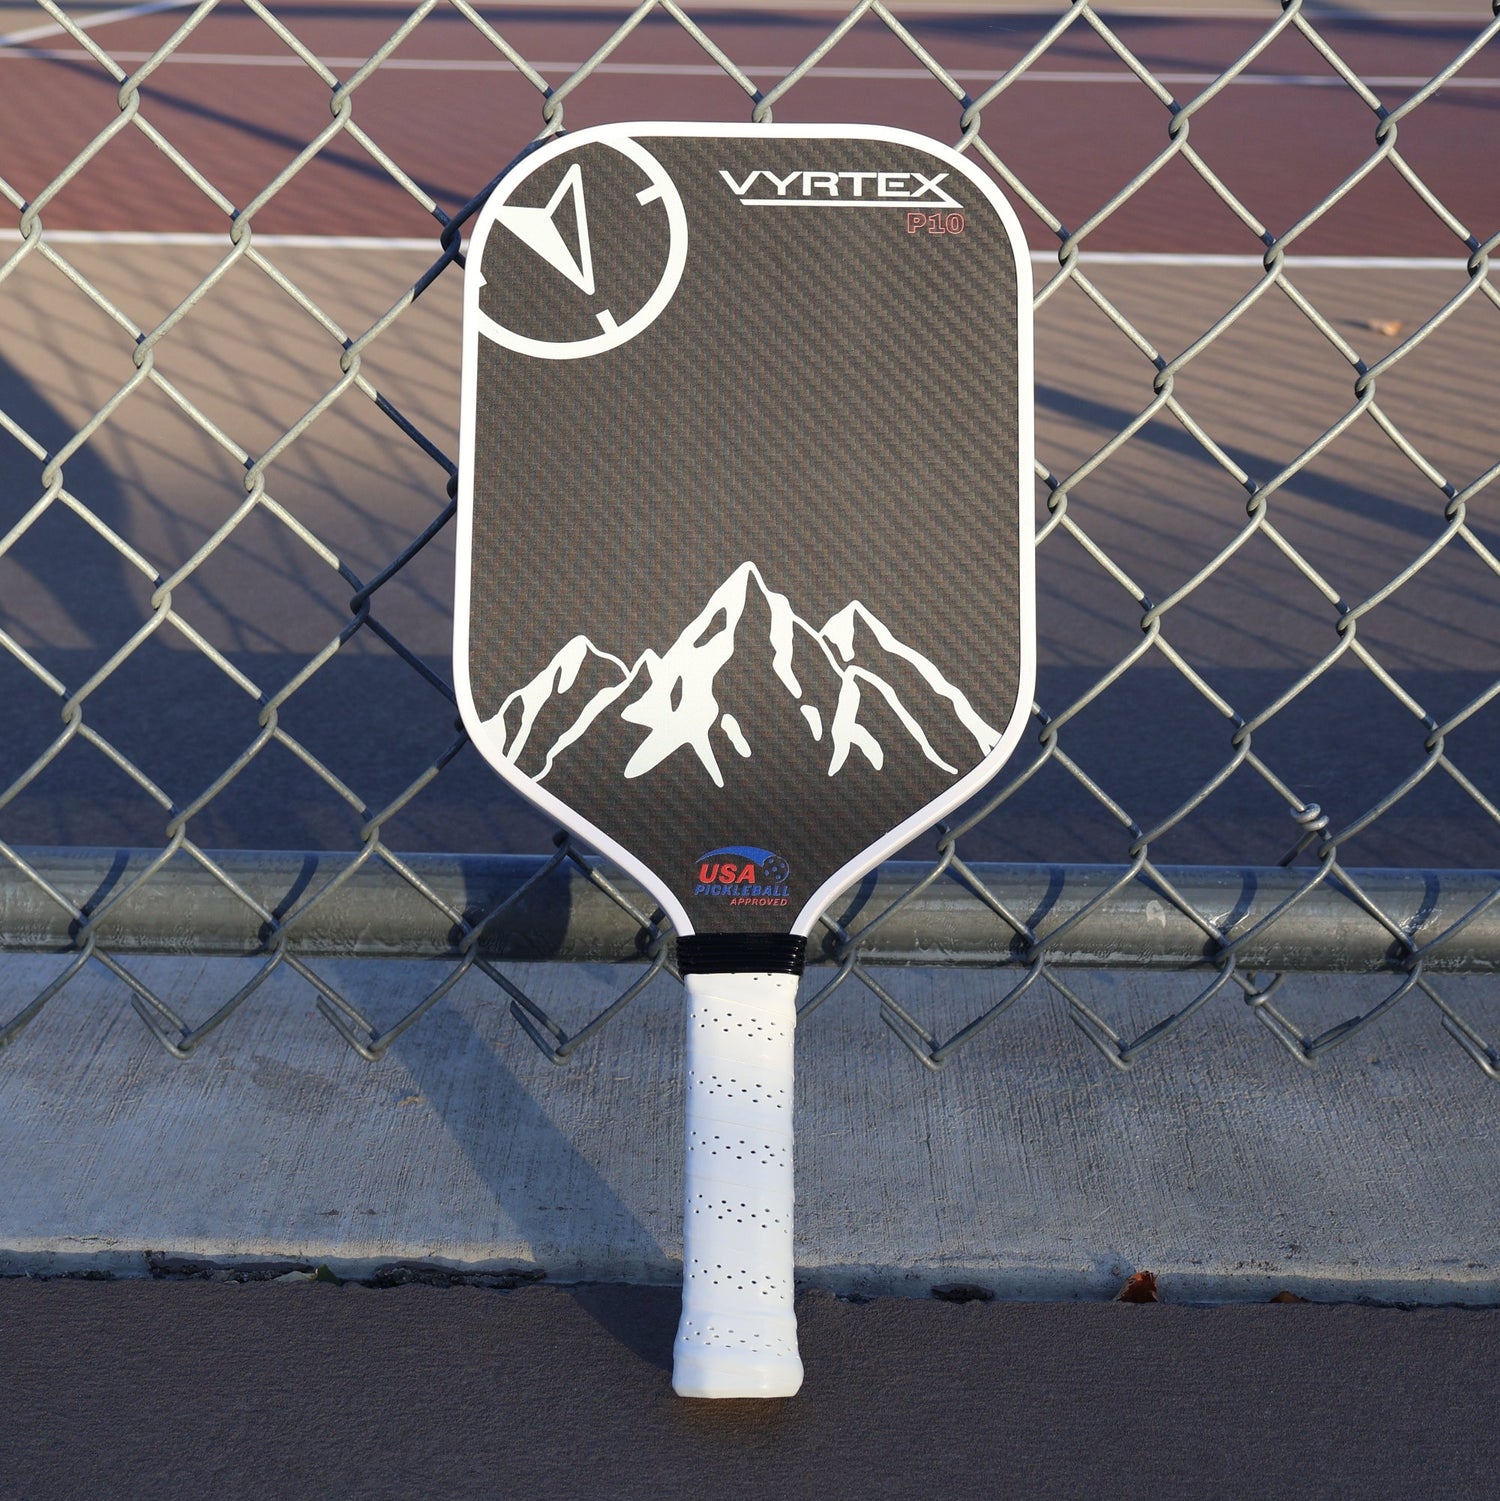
(579, 256)
(774, 870)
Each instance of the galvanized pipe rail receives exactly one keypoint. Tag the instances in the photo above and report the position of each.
(184, 908)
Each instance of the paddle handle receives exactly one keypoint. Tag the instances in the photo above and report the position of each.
(738, 1334)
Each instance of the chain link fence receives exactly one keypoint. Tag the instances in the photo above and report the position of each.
(1165, 811)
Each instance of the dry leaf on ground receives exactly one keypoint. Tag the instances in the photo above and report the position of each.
(1140, 1288)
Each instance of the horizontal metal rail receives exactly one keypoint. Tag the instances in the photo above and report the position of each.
(560, 913)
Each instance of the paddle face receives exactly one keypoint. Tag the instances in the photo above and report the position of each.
(744, 580)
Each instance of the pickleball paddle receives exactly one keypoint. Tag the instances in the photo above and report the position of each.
(744, 593)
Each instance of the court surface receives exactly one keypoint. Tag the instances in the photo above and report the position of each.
(190, 1390)
(449, 111)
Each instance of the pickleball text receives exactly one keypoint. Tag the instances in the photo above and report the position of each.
(748, 877)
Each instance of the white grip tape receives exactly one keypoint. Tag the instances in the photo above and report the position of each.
(738, 1335)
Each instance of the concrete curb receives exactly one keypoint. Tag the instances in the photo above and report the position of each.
(1029, 1168)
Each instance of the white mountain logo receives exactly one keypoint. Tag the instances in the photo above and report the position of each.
(852, 684)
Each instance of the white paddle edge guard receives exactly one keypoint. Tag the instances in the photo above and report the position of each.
(738, 1333)
(489, 739)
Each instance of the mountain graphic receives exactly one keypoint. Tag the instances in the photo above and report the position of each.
(747, 677)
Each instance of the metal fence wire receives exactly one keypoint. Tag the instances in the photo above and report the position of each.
(1240, 924)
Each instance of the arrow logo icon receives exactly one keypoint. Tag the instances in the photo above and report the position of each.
(537, 228)
(565, 245)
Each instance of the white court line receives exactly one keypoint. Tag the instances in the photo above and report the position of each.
(763, 70)
(1251, 10)
(221, 241)
(1263, 12)
(99, 18)
(1454, 262)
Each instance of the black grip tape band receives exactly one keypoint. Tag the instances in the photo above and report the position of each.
(741, 953)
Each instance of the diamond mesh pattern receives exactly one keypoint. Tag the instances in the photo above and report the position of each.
(1157, 622)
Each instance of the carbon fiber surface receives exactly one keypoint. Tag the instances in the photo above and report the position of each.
(767, 543)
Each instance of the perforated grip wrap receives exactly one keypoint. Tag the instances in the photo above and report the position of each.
(738, 1335)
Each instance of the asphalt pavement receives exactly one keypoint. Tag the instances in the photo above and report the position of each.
(190, 1391)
